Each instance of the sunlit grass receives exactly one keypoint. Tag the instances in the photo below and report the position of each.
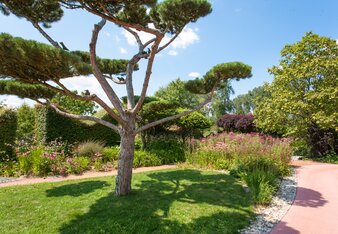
(172, 201)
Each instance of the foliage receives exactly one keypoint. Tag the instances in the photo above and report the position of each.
(8, 126)
(304, 93)
(257, 159)
(75, 106)
(237, 123)
(89, 148)
(221, 103)
(77, 165)
(219, 73)
(51, 126)
(26, 122)
(172, 201)
(246, 103)
(168, 150)
(110, 154)
(146, 159)
(176, 94)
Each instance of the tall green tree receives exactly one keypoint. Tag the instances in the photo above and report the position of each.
(176, 93)
(221, 102)
(35, 63)
(246, 103)
(304, 93)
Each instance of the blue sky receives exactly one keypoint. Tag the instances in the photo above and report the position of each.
(250, 31)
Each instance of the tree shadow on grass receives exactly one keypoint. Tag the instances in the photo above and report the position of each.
(76, 189)
(184, 201)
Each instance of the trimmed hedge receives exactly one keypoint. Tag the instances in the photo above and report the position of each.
(8, 126)
(50, 126)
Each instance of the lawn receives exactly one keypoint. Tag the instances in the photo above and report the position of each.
(171, 201)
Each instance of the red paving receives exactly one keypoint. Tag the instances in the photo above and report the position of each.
(315, 209)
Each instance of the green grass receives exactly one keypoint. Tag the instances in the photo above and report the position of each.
(171, 201)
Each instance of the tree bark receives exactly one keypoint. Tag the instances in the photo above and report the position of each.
(125, 167)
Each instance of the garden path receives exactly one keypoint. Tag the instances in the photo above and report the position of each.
(315, 208)
(86, 175)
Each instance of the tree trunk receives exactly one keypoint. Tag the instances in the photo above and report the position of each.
(125, 167)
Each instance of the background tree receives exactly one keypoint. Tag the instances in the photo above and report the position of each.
(246, 103)
(35, 63)
(221, 103)
(304, 93)
(176, 93)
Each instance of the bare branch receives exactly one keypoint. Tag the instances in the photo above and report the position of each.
(43, 33)
(98, 74)
(137, 37)
(148, 74)
(161, 121)
(82, 117)
(93, 98)
(169, 42)
(115, 80)
(149, 42)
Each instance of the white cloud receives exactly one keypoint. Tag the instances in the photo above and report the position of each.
(187, 37)
(123, 51)
(173, 52)
(107, 34)
(14, 101)
(194, 74)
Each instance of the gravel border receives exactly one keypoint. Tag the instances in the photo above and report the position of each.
(269, 216)
(7, 179)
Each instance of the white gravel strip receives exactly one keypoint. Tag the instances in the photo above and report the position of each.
(269, 216)
(7, 179)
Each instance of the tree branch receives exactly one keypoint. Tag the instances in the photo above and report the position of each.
(161, 121)
(148, 74)
(117, 21)
(169, 42)
(43, 33)
(116, 81)
(98, 74)
(82, 117)
(93, 98)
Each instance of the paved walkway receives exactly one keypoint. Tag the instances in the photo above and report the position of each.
(86, 175)
(315, 209)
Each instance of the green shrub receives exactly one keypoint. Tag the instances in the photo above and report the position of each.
(26, 120)
(168, 151)
(89, 148)
(98, 165)
(25, 164)
(145, 159)
(110, 154)
(41, 165)
(8, 126)
(77, 165)
(262, 185)
(9, 169)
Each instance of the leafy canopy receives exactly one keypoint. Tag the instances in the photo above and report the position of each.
(305, 88)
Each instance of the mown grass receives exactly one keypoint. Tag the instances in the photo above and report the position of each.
(171, 201)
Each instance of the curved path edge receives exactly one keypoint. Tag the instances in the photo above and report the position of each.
(86, 175)
(315, 208)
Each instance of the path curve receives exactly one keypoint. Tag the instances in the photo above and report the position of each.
(86, 175)
(315, 209)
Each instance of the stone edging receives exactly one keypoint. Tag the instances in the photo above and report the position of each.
(269, 216)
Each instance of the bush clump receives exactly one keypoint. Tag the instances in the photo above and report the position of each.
(89, 148)
(258, 160)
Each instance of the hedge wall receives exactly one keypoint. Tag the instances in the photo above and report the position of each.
(50, 126)
(8, 126)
